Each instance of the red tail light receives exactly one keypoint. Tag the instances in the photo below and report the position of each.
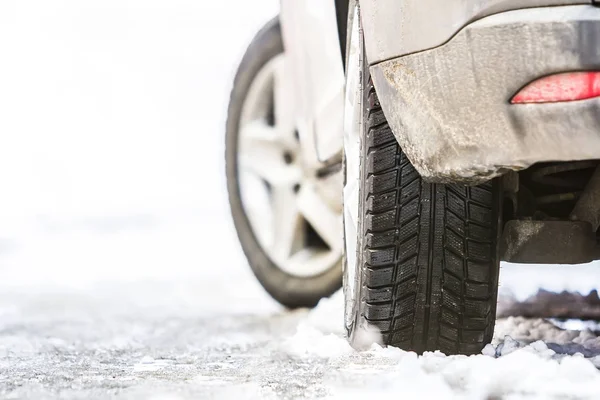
(568, 86)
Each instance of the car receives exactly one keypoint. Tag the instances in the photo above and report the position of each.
(402, 149)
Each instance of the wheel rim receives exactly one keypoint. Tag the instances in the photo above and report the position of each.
(291, 211)
(352, 131)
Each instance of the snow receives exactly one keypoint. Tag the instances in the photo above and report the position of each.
(528, 359)
(149, 364)
(165, 331)
(121, 274)
(309, 341)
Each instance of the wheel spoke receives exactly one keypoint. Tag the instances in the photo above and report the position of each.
(288, 227)
(323, 219)
(287, 120)
(284, 103)
(261, 152)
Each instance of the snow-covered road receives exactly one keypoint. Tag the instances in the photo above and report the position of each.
(197, 327)
(108, 341)
(120, 274)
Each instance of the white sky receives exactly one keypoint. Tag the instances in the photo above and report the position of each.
(116, 106)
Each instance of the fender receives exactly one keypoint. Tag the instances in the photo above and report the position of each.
(314, 58)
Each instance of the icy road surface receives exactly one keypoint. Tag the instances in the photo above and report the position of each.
(166, 332)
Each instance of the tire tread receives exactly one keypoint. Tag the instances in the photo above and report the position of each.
(430, 257)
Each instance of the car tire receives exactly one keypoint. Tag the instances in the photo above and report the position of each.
(427, 258)
(288, 289)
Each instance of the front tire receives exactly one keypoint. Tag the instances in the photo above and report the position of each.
(293, 248)
(426, 271)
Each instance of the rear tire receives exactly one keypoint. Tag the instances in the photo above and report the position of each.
(427, 254)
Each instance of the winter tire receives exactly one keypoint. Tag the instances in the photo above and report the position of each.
(422, 267)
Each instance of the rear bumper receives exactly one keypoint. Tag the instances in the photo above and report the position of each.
(449, 106)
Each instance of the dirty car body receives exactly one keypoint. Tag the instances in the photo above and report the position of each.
(446, 75)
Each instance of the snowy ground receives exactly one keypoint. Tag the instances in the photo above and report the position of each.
(120, 275)
(163, 321)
